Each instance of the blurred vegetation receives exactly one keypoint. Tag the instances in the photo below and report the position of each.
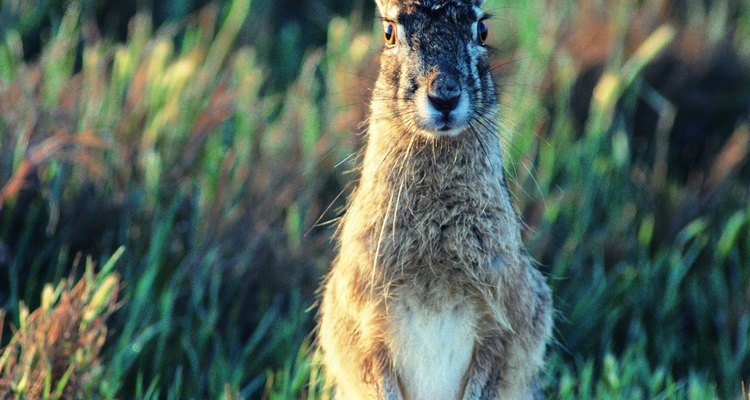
(214, 142)
(59, 343)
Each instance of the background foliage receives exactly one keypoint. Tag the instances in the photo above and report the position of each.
(216, 142)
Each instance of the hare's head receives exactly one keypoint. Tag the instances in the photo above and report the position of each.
(435, 75)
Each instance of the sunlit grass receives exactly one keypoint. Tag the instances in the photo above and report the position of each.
(54, 350)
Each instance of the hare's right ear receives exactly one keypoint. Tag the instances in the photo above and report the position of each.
(382, 7)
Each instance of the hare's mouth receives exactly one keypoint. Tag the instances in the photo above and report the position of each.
(443, 117)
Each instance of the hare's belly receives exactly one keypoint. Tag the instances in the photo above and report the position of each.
(433, 349)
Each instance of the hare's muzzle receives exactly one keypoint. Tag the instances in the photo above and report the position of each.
(443, 106)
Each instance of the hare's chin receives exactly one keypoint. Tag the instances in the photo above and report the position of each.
(445, 130)
(442, 127)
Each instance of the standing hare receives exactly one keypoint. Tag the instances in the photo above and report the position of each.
(432, 295)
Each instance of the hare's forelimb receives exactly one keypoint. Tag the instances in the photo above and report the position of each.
(388, 388)
(495, 373)
(483, 381)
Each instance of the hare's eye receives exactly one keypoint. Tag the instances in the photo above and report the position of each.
(482, 32)
(389, 33)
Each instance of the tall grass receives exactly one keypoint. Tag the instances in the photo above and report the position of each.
(54, 353)
(224, 191)
(165, 145)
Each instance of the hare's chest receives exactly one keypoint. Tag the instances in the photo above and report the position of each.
(432, 349)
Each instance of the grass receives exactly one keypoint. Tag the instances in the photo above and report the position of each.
(219, 187)
(54, 353)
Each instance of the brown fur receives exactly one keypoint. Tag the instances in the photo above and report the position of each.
(431, 220)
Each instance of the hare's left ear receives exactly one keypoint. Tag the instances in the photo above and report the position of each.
(382, 7)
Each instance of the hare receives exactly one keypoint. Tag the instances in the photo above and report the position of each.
(432, 294)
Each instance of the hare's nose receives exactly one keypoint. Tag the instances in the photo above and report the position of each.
(444, 93)
(443, 104)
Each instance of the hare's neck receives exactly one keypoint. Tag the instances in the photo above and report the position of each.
(395, 157)
(423, 202)
(418, 176)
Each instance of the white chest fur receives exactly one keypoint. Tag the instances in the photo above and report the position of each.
(432, 350)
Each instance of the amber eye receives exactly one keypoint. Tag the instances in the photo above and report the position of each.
(481, 32)
(389, 33)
